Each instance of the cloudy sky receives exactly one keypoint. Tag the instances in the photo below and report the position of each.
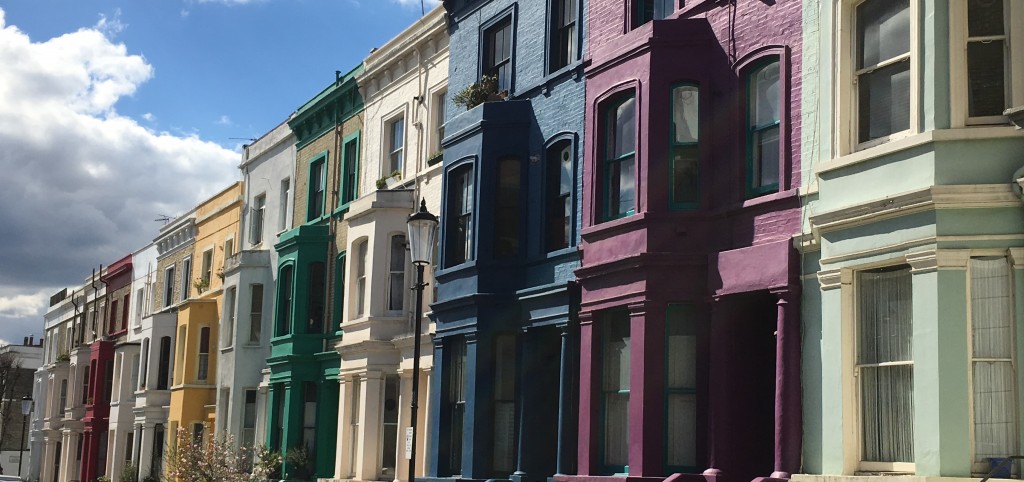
(112, 114)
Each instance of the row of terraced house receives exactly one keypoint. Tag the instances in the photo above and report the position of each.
(700, 240)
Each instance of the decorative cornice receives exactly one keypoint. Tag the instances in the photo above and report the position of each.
(832, 278)
(1017, 258)
(970, 196)
(932, 260)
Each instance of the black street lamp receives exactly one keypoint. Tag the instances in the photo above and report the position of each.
(422, 233)
(26, 408)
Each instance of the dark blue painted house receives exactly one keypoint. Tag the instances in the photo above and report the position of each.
(505, 371)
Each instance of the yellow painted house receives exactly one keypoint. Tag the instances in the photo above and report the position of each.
(193, 392)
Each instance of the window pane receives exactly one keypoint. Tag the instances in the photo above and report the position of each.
(765, 93)
(766, 157)
(623, 136)
(622, 178)
(994, 410)
(986, 76)
(884, 101)
(684, 114)
(883, 31)
(985, 17)
(884, 317)
(991, 308)
(507, 215)
(685, 174)
(682, 430)
(887, 410)
(615, 385)
(396, 278)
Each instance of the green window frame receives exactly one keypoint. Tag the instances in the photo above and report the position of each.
(681, 397)
(285, 300)
(317, 195)
(619, 157)
(764, 127)
(349, 169)
(684, 146)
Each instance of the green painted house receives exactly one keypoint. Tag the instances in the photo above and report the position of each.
(913, 244)
(303, 364)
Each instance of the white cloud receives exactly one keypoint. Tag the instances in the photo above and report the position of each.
(111, 27)
(149, 117)
(81, 183)
(224, 120)
(23, 305)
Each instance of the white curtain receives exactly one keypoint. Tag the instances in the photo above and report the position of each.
(681, 388)
(995, 432)
(885, 362)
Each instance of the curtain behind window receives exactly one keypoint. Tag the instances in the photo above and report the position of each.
(995, 431)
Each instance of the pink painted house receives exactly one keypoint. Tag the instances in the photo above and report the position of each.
(690, 325)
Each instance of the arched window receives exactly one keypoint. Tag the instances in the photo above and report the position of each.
(558, 195)
(459, 226)
(763, 116)
(284, 295)
(684, 152)
(619, 117)
(316, 298)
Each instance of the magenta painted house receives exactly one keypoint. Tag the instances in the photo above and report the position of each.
(690, 327)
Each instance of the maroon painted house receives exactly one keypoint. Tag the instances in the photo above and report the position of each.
(689, 318)
(117, 279)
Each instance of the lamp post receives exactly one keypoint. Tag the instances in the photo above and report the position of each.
(26, 408)
(422, 233)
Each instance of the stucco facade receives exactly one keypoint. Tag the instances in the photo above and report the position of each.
(925, 202)
(502, 396)
(303, 365)
(268, 167)
(402, 83)
(689, 280)
(193, 398)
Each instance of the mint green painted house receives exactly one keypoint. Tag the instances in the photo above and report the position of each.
(303, 366)
(913, 245)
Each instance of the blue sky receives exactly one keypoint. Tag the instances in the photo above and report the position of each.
(113, 113)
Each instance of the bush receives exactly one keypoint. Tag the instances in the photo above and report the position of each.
(268, 464)
(209, 459)
(478, 93)
(129, 473)
(300, 465)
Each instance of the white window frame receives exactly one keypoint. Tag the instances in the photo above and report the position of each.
(230, 307)
(286, 189)
(958, 95)
(186, 278)
(170, 277)
(847, 109)
(392, 272)
(852, 419)
(389, 147)
(976, 467)
(438, 110)
(258, 218)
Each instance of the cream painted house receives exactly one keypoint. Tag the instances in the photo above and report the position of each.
(404, 88)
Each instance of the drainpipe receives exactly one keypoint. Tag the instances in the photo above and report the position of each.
(1016, 115)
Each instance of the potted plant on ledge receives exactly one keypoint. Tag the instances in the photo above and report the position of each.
(486, 90)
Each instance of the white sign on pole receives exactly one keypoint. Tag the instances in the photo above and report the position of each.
(408, 443)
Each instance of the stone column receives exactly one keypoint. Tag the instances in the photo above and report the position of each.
(588, 450)
(404, 395)
(646, 389)
(46, 474)
(522, 369)
(787, 384)
(564, 409)
(368, 452)
(342, 464)
(145, 455)
(718, 394)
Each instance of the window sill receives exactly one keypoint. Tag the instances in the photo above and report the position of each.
(909, 142)
(454, 269)
(767, 198)
(227, 349)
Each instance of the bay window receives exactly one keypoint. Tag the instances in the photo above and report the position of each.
(885, 366)
(619, 171)
(459, 224)
(204, 354)
(684, 152)
(396, 274)
(993, 373)
(615, 390)
(506, 222)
